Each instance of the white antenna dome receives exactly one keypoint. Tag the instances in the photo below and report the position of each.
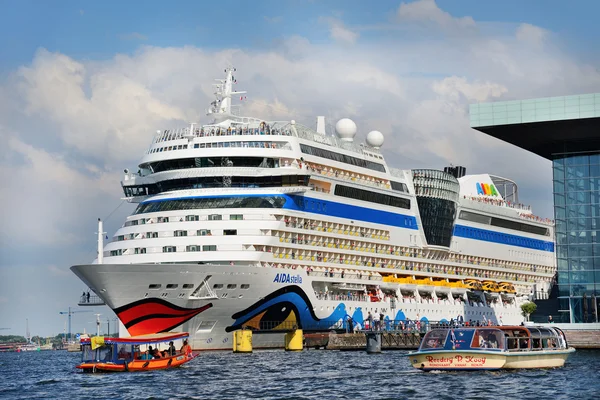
(375, 139)
(346, 129)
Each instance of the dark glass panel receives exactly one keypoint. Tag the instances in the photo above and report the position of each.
(437, 217)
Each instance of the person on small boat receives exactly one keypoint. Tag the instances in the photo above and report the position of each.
(155, 353)
(186, 348)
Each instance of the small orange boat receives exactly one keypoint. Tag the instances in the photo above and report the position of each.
(108, 354)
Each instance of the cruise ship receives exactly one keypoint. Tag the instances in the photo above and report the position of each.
(244, 222)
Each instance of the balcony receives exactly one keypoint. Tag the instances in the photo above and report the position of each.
(90, 299)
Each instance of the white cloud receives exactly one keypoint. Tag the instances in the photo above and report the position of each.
(339, 32)
(531, 34)
(453, 87)
(427, 11)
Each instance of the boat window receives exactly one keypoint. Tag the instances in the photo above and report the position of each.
(218, 286)
(207, 203)
(488, 339)
(206, 326)
(245, 286)
(366, 195)
(154, 286)
(230, 232)
(188, 285)
(434, 339)
(343, 158)
(172, 286)
(231, 286)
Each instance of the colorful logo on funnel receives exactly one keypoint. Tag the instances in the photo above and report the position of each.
(486, 189)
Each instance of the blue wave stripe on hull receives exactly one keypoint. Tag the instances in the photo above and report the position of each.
(485, 235)
(347, 211)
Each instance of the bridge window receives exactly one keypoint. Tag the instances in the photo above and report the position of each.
(343, 158)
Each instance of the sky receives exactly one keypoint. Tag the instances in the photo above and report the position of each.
(85, 85)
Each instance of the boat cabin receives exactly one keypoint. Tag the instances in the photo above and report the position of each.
(501, 338)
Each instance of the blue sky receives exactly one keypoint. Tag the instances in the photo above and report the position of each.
(83, 86)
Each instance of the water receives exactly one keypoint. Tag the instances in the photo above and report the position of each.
(313, 374)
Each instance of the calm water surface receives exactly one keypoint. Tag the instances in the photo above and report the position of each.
(313, 374)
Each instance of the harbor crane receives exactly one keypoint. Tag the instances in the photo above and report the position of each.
(70, 313)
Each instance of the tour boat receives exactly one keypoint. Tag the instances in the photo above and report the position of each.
(492, 348)
(108, 354)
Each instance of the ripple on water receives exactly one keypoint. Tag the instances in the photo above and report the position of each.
(304, 375)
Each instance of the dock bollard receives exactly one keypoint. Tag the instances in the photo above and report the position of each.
(373, 342)
(294, 340)
(242, 341)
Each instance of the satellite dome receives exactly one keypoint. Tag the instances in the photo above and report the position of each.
(346, 129)
(375, 139)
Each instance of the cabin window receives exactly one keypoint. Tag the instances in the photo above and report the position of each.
(192, 247)
(230, 232)
(231, 286)
(206, 325)
(154, 286)
(244, 286)
(192, 218)
(209, 248)
(172, 286)
(218, 286)
(236, 217)
(215, 217)
(188, 285)
(180, 233)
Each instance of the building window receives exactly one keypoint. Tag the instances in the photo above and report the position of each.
(236, 217)
(209, 248)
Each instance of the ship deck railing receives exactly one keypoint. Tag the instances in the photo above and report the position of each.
(92, 300)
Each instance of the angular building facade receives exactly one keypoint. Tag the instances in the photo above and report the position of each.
(565, 130)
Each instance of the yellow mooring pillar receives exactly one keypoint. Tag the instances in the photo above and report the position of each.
(242, 341)
(294, 340)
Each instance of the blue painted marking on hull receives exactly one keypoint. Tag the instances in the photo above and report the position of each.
(485, 235)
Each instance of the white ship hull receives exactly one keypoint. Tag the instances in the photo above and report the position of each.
(273, 296)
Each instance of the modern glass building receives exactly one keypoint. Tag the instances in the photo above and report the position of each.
(565, 130)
